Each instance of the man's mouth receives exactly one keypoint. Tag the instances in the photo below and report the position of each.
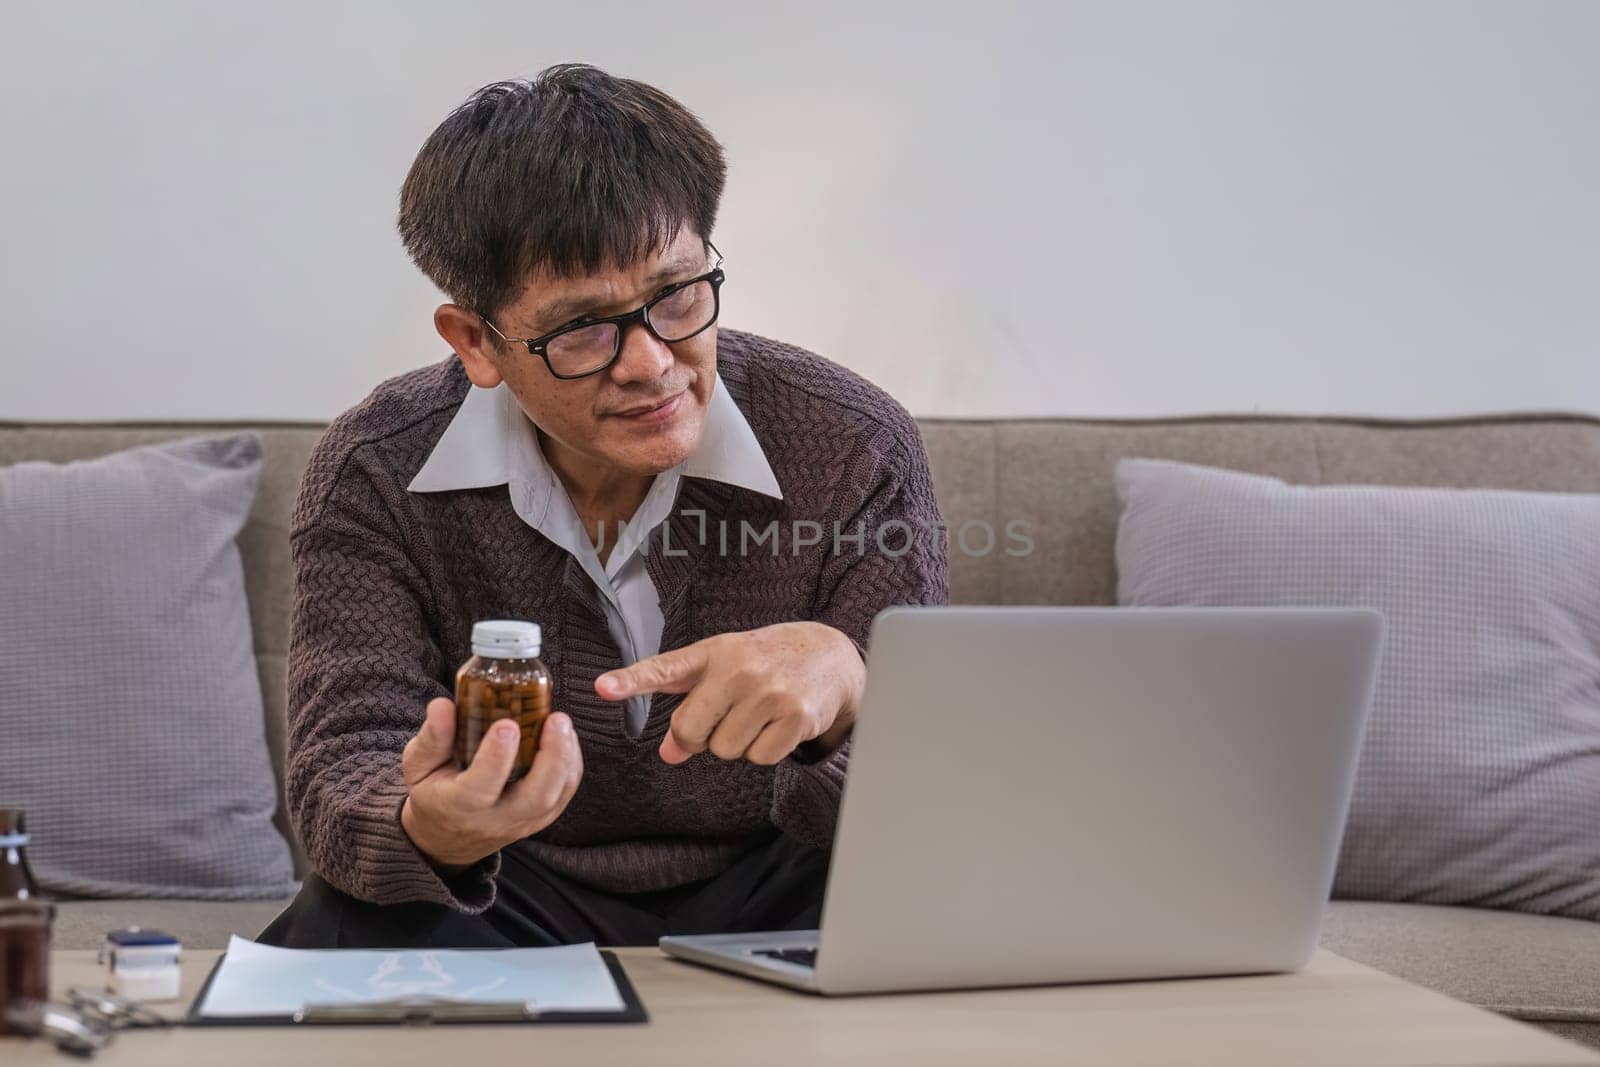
(654, 411)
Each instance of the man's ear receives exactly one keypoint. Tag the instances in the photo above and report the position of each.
(464, 331)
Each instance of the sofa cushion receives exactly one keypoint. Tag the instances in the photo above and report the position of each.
(129, 697)
(263, 542)
(1534, 967)
(1480, 770)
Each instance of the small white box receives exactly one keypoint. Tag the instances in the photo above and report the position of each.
(142, 964)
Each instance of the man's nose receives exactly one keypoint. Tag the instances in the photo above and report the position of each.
(643, 358)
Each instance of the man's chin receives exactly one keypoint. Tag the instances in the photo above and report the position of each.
(657, 451)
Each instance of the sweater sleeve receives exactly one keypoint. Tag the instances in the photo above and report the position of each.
(906, 565)
(362, 668)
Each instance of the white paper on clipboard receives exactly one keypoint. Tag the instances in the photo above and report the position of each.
(262, 981)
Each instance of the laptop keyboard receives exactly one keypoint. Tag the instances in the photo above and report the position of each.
(805, 957)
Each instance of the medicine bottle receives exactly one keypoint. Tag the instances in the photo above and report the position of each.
(504, 679)
(25, 922)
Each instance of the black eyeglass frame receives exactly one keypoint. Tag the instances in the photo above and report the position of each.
(538, 346)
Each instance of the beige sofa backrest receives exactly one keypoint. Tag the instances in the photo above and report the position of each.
(1053, 476)
(1056, 475)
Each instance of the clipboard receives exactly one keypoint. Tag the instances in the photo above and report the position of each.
(420, 1011)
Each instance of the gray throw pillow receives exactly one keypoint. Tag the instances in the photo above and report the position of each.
(130, 712)
(1479, 780)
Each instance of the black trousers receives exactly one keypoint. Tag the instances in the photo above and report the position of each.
(778, 886)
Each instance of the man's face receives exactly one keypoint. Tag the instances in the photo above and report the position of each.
(643, 414)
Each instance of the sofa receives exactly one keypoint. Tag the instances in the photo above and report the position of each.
(1054, 474)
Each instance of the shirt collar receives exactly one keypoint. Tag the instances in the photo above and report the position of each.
(490, 437)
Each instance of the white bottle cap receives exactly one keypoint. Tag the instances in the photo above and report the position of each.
(505, 639)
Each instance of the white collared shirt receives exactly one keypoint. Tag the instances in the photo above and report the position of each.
(491, 441)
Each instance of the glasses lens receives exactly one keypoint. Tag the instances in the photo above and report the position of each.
(684, 312)
(582, 350)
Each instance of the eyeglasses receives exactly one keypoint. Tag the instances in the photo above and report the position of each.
(676, 314)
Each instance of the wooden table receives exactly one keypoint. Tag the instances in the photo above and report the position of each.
(1335, 1012)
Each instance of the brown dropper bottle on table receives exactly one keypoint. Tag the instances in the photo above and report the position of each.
(24, 924)
(504, 679)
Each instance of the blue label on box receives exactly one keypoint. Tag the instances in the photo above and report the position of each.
(138, 938)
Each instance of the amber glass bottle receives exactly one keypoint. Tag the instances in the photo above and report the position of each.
(504, 679)
(24, 924)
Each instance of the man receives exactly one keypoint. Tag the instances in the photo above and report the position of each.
(703, 522)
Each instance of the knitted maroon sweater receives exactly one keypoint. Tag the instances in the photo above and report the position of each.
(388, 584)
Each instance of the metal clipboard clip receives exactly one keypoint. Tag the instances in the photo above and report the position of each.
(419, 1011)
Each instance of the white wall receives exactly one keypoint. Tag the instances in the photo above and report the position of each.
(1055, 208)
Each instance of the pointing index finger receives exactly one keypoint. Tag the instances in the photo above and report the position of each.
(677, 671)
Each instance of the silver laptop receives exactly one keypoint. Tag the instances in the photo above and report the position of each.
(1041, 795)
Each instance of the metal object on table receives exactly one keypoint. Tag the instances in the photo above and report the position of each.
(71, 1031)
(114, 1012)
(419, 1011)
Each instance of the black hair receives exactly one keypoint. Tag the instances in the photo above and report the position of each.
(570, 172)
